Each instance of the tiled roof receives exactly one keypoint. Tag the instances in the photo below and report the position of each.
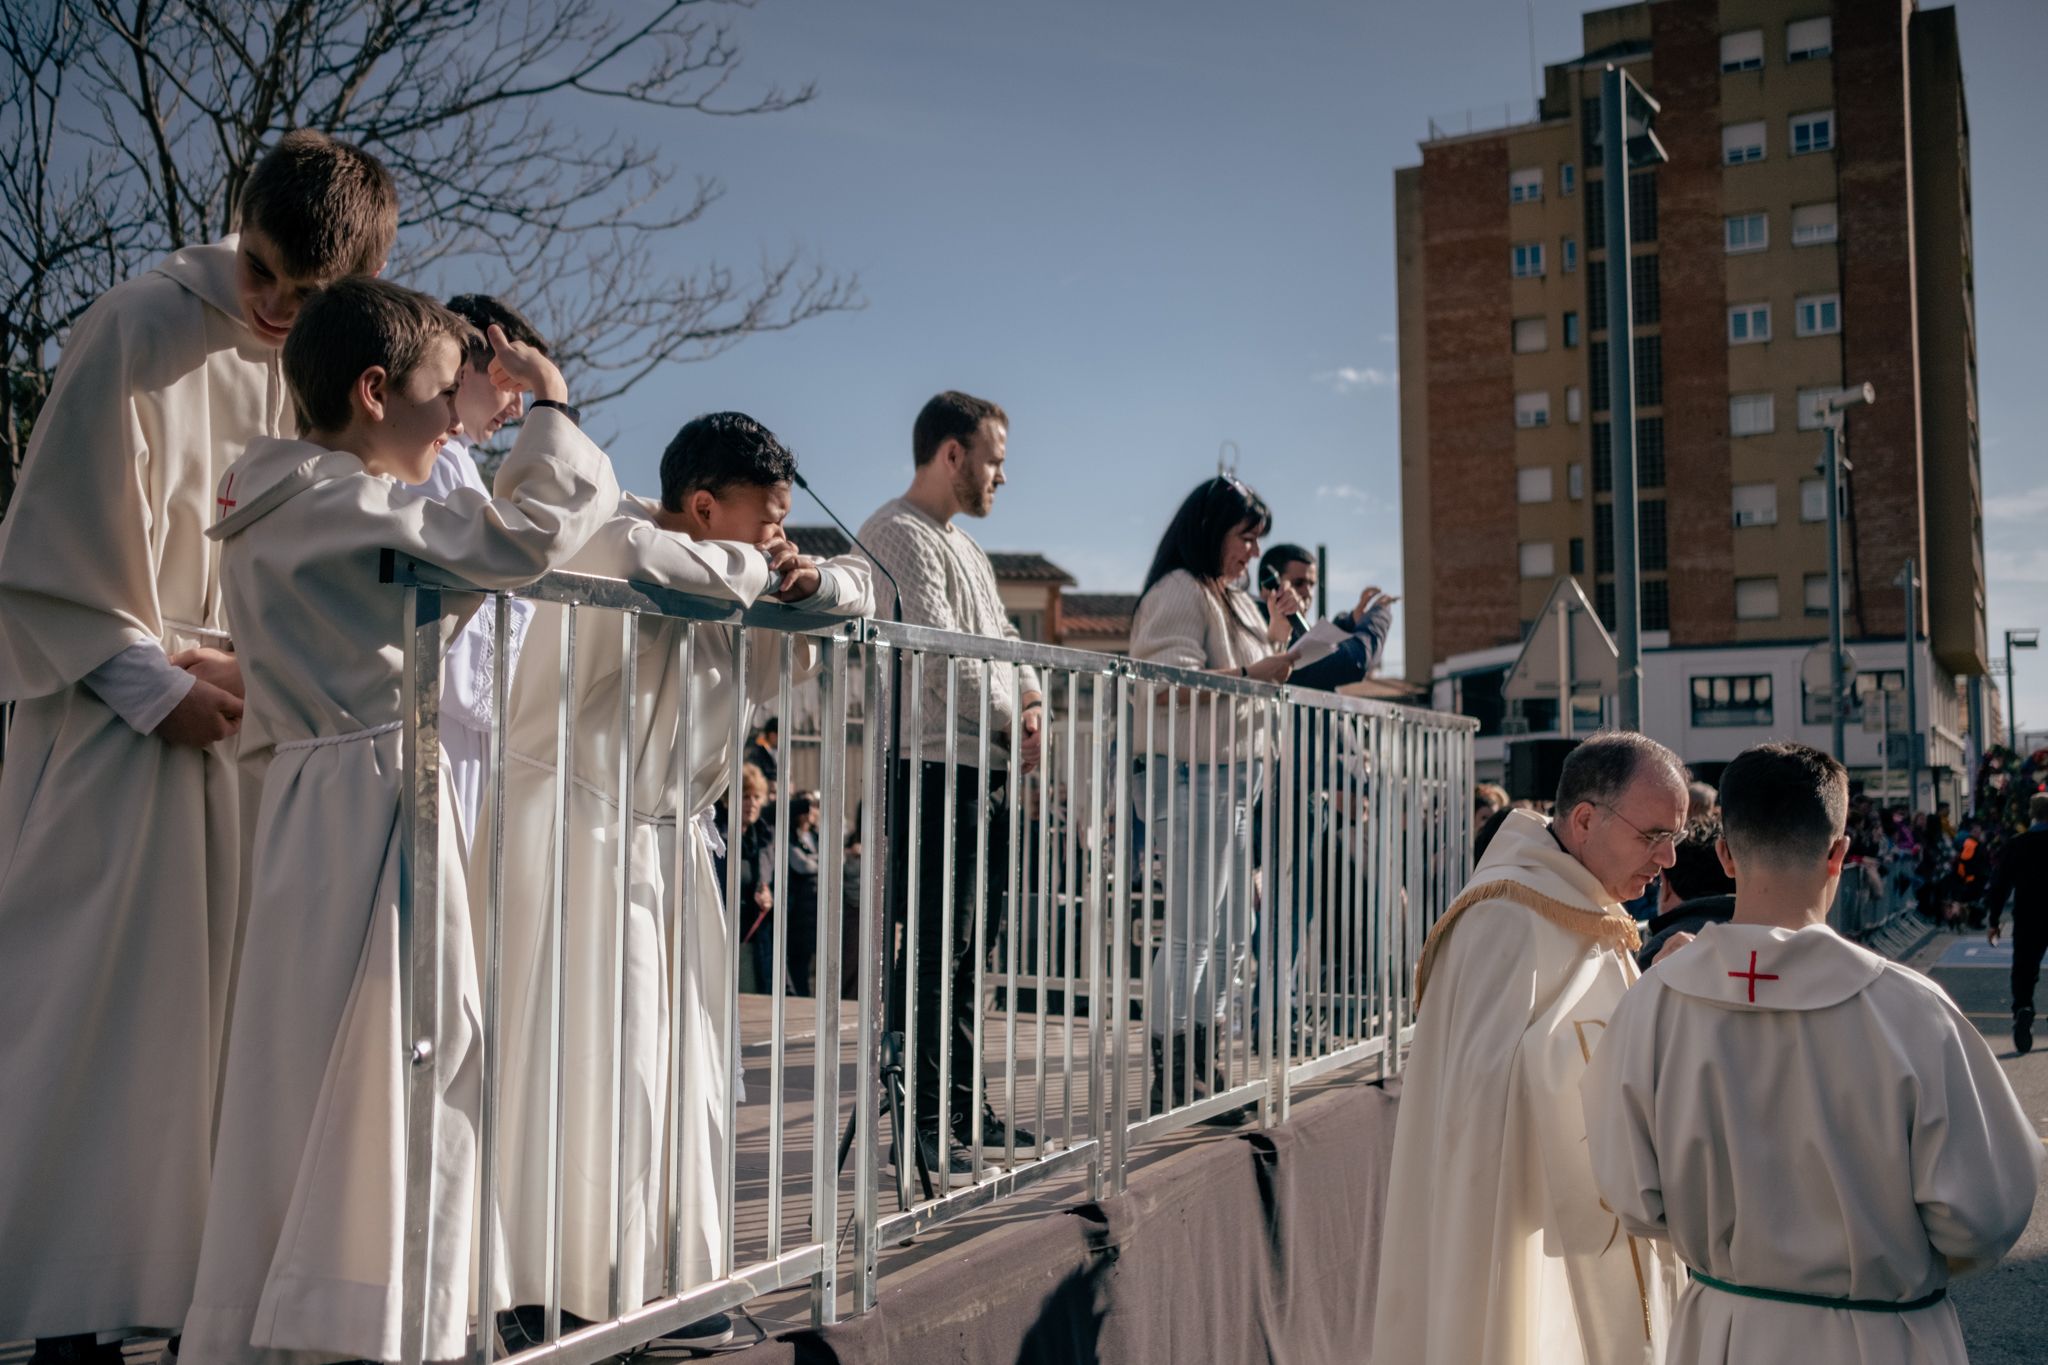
(1097, 613)
(1022, 566)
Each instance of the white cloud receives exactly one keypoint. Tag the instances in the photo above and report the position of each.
(1348, 378)
(2016, 567)
(1386, 338)
(2029, 504)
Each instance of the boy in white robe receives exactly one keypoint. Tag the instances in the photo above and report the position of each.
(470, 663)
(717, 532)
(303, 1230)
(1819, 1132)
(123, 816)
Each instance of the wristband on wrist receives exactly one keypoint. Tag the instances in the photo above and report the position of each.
(565, 409)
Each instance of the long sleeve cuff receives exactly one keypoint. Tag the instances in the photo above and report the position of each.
(141, 685)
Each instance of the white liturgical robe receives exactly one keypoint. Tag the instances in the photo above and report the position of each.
(1496, 1249)
(1795, 1114)
(120, 855)
(302, 1244)
(684, 726)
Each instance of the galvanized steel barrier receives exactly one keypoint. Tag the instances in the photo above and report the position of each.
(1200, 893)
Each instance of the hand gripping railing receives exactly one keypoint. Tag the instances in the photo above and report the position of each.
(1244, 873)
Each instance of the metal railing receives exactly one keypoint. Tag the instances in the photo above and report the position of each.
(1872, 894)
(1197, 895)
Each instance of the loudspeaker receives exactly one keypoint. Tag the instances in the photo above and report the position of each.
(1534, 766)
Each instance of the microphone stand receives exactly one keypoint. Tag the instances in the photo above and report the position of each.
(891, 1070)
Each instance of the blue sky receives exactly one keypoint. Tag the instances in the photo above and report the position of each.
(1147, 228)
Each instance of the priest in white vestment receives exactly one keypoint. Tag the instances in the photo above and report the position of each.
(301, 1254)
(123, 809)
(1496, 1248)
(1818, 1132)
(725, 488)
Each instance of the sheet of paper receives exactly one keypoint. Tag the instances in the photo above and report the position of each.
(1322, 639)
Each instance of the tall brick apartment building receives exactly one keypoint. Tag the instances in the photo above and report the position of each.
(1810, 231)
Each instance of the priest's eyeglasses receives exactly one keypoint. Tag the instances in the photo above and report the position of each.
(1652, 838)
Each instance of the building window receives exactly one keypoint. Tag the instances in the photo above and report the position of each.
(1813, 224)
(1532, 334)
(1568, 248)
(1813, 500)
(1571, 330)
(1642, 206)
(1596, 370)
(1752, 414)
(1532, 409)
(1756, 504)
(1603, 603)
(1603, 540)
(1646, 290)
(1807, 40)
(1817, 594)
(1749, 322)
(1575, 478)
(1649, 452)
(1756, 599)
(1741, 700)
(1578, 554)
(1656, 604)
(1538, 559)
(1813, 132)
(1649, 371)
(1533, 484)
(1653, 546)
(1819, 314)
(1528, 259)
(1741, 142)
(1567, 178)
(1746, 232)
(1525, 186)
(1742, 51)
(1574, 408)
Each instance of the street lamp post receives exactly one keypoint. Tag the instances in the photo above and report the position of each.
(2015, 639)
(1909, 579)
(1626, 111)
(1832, 467)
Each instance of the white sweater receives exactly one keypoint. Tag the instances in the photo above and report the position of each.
(1182, 622)
(946, 582)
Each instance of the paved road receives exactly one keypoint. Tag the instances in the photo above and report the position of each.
(2004, 1312)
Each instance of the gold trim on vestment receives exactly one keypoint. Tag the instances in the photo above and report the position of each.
(1615, 931)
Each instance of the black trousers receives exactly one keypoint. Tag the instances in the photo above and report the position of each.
(935, 957)
(2029, 941)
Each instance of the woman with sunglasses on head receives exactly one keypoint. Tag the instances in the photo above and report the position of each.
(1195, 613)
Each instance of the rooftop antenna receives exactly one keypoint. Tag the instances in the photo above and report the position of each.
(1227, 456)
(1535, 73)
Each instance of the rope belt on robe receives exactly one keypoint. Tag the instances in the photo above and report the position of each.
(1823, 1300)
(346, 737)
(201, 632)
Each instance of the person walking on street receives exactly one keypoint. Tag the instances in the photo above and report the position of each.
(2023, 876)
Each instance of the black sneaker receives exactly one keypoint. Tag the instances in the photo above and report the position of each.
(996, 1137)
(2023, 1031)
(83, 1349)
(704, 1333)
(959, 1170)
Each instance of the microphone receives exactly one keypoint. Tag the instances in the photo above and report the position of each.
(1269, 580)
(896, 608)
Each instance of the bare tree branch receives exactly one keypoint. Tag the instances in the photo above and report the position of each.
(129, 127)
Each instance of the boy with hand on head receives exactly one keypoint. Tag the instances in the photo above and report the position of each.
(123, 817)
(1819, 1132)
(468, 667)
(303, 1230)
(716, 532)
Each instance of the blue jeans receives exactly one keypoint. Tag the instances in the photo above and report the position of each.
(1209, 915)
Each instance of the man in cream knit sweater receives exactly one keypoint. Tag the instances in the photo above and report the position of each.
(943, 579)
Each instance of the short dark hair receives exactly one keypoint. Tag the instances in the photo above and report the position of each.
(1278, 557)
(480, 311)
(330, 206)
(771, 726)
(1696, 869)
(1784, 803)
(348, 327)
(951, 416)
(1604, 764)
(718, 450)
(802, 804)
(1194, 538)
